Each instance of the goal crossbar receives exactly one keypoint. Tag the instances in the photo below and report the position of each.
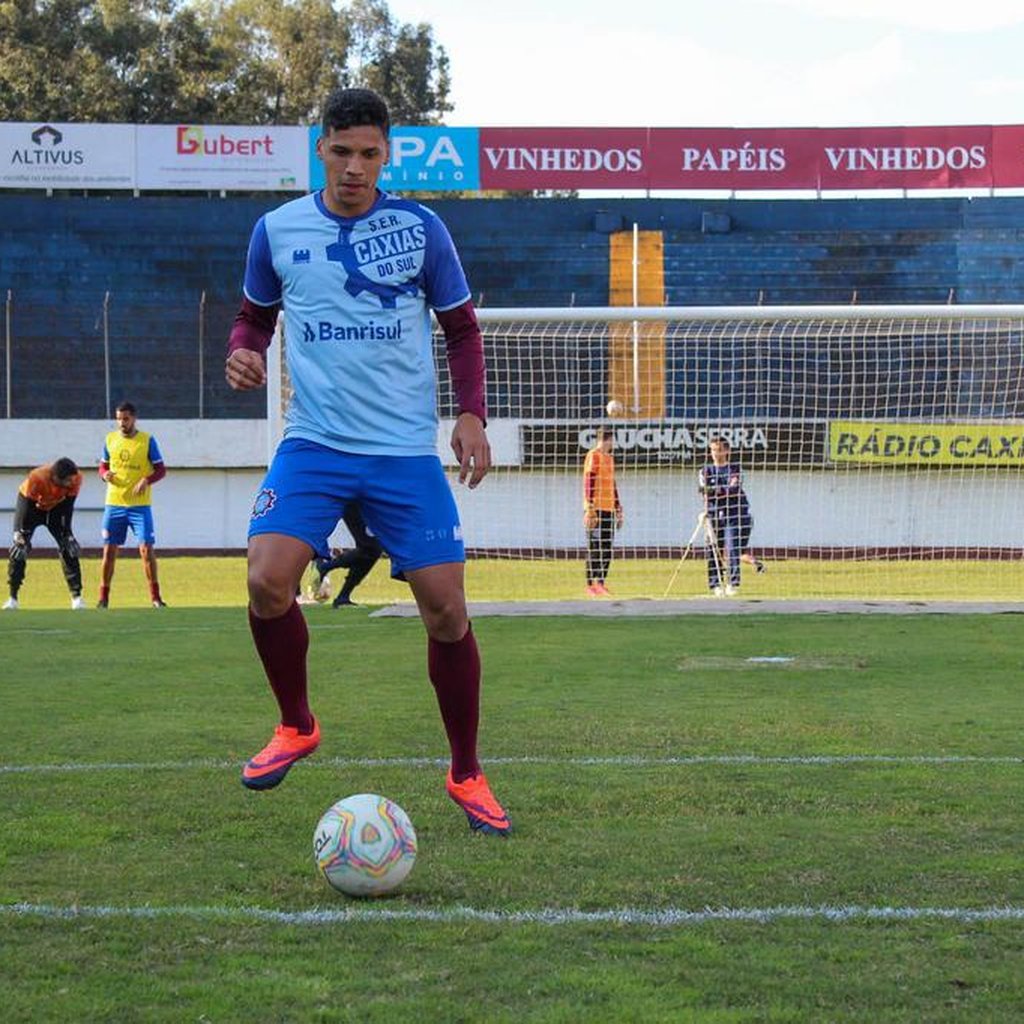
(625, 314)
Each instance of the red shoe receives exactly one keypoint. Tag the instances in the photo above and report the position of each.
(600, 590)
(271, 764)
(593, 590)
(474, 796)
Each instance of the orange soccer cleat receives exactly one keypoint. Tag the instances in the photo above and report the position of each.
(474, 796)
(271, 764)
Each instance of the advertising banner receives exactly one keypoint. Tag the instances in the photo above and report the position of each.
(733, 158)
(532, 158)
(222, 158)
(420, 159)
(739, 159)
(1008, 156)
(440, 159)
(667, 444)
(852, 158)
(59, 155)
(969, 444)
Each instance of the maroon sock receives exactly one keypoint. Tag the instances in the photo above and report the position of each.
(282, 644)
(455, 672)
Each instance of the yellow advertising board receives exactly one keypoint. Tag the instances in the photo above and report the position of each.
(965, 444)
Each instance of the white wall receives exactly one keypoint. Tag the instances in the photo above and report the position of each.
(215, 467)
(791, 508)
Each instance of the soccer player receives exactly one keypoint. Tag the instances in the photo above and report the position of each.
(131, 464)
(356, 272)
(359, 561)
(46, 497)
(729, 519)
(602, 510)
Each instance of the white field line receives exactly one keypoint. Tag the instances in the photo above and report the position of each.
(240, 627)
(669, 917)
(739, 760)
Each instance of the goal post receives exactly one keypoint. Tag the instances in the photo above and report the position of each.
(881, 447)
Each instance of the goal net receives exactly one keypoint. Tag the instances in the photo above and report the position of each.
(880, 449)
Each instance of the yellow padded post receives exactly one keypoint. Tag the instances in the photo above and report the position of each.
(637, 356)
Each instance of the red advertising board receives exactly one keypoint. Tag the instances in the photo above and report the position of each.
(1008, 155)
(853, 158)
(732, 158)
(513, 158)
(736, 159)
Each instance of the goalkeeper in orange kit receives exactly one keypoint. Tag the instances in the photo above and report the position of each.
(46, 497)
(602, 510)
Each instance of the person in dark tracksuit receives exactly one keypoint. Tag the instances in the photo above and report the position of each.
(359, 561)
(729, 519)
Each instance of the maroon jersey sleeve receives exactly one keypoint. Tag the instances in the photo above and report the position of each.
(465, 350)
(253, 327)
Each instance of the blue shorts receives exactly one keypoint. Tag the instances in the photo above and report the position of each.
(405, 500)
(117, 519)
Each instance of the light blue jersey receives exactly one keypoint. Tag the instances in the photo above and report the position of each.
(357, 293)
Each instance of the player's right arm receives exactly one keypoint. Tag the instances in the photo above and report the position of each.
(705, 490)
(106, 473)
(589, 490)
(245, 367)
(34, 486)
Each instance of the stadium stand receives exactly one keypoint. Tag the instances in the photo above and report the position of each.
(157, 272)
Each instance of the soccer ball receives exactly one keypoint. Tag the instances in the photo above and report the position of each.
(365, 845)
(615, 408)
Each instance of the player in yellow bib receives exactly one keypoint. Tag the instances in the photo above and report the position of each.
(131, 464)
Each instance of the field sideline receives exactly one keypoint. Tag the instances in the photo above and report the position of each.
(699, 836)
(217, 581)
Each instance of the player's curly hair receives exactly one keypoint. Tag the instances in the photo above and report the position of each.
(350, 108)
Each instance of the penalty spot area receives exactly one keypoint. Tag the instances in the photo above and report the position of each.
(804, 663)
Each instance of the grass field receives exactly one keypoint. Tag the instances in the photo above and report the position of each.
(211, 582)
(699, 837)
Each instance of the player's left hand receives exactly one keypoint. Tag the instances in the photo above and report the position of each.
(472, 449)
(619, 518)
(139, 487)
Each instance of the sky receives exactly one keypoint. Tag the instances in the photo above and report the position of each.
(730, 63)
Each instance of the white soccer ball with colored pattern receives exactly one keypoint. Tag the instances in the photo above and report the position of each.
(365, 845)
(615, 408)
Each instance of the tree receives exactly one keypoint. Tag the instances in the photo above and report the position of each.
(213, 61)
(283, 57)
(401, 62)
(112, 60)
